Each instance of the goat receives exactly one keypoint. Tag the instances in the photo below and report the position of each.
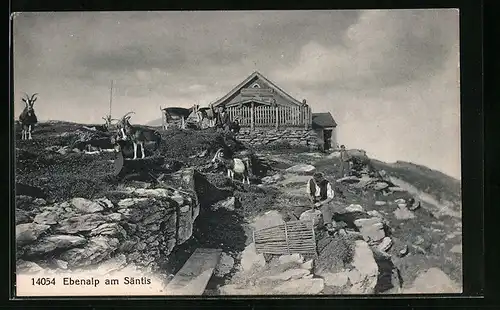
(177, 113)
(234, 165)
(208, 113)
(138, 135)
(28, 117)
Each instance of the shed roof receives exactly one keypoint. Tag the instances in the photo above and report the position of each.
(323, 120)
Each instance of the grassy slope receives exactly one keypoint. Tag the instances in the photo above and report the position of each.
(439, 185)
(71, 175)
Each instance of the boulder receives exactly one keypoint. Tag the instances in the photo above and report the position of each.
(115, 217)
(224, 266)
(456, 249)
(81, 223)
(268, 219)
(403, 213)
(110, 229)
(27, 267)
(51, 217)
(272, 179)
(129, 202)
(250, 259)
(308, 265)
(105, 203)
(348, 179)
(51, 243)
(338, 279)
(291, 258)
(380, 203)
(228, 204)
(378, 186)
(22, 216)
(86, 206)
(433, 281)
(300, 287)
(295, 273)
(354, 208)
(30, 232)
(302, 169)
(375, 213)
(396, 189)
(385, 244)
(372, 229)
(96, 250)
(61, 264)
(156, 192)
(364, 275)
(111, 265)
(313, 215)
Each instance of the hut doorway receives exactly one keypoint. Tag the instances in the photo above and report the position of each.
(327, 138)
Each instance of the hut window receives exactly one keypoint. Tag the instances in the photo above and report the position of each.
(255, 85)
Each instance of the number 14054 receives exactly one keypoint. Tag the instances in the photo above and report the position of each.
(43, 281)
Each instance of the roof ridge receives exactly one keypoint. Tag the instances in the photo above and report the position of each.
(254, 74)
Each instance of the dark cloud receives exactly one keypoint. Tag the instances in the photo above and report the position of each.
(134, 57)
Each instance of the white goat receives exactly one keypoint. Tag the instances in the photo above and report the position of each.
(234, 165)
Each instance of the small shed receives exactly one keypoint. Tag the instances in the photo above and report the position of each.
(326, 130)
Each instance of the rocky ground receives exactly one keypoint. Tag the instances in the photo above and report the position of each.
(73, 213)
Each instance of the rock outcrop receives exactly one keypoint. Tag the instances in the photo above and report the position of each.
(140, 225)
(293, 137)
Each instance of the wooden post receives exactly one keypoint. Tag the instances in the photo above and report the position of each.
(252, 116)
(277, 118)
(110, 97)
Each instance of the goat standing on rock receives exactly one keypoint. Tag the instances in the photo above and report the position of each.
(28, 118)
(138, 135)
(233, 166)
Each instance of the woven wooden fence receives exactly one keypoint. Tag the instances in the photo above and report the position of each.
(288, 238)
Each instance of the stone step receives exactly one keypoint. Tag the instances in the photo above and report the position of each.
(193, 277)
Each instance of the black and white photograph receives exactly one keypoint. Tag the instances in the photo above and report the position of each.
(237, 153)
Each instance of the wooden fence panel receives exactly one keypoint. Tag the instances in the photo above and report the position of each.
(265, 116)
(287, 238)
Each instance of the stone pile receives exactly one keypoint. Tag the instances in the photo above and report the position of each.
(142, 228)
(295, 137)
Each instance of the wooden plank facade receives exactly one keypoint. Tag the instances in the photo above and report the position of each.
(271, 116)
(259, 103)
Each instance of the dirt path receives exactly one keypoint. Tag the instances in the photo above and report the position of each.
(429, 199)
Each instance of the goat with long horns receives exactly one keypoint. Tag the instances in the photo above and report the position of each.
(28, 117)
(138, 135)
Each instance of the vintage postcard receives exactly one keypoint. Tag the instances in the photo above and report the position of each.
(237, 153)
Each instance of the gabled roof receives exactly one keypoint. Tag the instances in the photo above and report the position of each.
(323, 120)
(252, 76)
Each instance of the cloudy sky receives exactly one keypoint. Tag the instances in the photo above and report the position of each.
(390, 78)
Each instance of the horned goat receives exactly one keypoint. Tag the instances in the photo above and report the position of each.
(28, 117)
(138, 135)
(233, 166)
